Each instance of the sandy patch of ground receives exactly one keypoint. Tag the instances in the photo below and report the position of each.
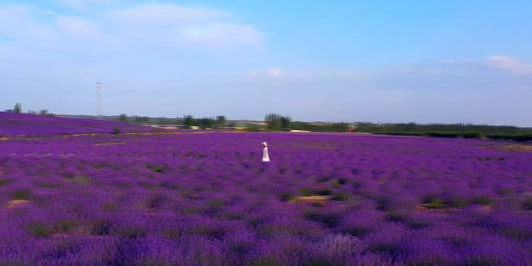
(16, 203)
(425, 207)
(109, 143)
(318, 200)
(517, 147)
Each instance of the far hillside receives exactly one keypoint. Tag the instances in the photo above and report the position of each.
(37, 125)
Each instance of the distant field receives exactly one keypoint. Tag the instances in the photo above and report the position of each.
(206, 199)
(40, 125)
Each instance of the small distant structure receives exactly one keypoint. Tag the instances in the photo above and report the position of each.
(99, 87)
(265, 155)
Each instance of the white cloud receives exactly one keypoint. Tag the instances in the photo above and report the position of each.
(166, 14)
(275, 72)
(174, 25)
(220, 33)
(146, 26)
(80, 28)
(82, 4)
(510, 64)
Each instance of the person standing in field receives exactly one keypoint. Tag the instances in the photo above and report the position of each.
(265, 155)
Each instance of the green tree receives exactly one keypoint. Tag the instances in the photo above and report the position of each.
(18, 108)
(188, 121)
(123, 118)
(221, 121)
(205, 122)
(277, 122)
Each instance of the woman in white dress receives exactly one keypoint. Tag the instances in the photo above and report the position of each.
(265, 155)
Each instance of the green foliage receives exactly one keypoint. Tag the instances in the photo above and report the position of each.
(266, 261)
(515, 137)
(22, 194)
(340, 196)
(433, 202)
(443, 134)
(156, 168)
(17, 109)
(65, 225)
(320, 127)
(206, 122)
(484, 200)
(38, 230)
(141, 119)
(471, 135)
(324, 192)
(221, 122)
(252, 127)
(456, 202)
(188, 121)
(123, 118)
(277, 122)
(116, 131)
(5, 181)
(305, 192)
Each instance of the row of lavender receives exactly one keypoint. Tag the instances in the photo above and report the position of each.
(41, 125)
(206, 199)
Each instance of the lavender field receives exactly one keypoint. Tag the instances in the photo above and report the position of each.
(195, 199)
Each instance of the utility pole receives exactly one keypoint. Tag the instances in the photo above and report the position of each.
(99, 87)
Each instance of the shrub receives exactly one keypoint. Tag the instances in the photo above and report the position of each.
(324, 192)
(285, 195)
(327, 219)
(484, 200)
(22, 194)
(116, 131)
(156, 168)
(433, 202)
(515, 137)
(340, 196)
(305, 192)
(38, 230)
(456, 202)
(471, 135)
(443, 134)
(4, 181)
(65, 225)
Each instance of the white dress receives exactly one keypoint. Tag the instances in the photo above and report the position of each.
(265, 156)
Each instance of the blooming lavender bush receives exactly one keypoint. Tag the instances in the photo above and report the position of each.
(207, 199)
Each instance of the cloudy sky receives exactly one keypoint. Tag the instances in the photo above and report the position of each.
(381, 61)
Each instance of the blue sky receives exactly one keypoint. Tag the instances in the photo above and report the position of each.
(381, 61)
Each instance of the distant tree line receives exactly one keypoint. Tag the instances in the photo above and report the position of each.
(448, 130)
(277, 122)
(17, 109)
(206, 122)
(187, 121)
